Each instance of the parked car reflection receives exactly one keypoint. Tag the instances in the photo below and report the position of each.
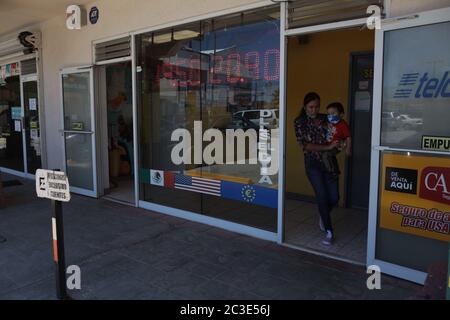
(410, 123)
(389, 120)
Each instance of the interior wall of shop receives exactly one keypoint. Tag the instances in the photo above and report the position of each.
(63, 48)
(322, 65)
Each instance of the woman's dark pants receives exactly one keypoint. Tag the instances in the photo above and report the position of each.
(326, 188)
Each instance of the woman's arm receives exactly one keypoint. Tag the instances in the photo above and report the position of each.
(321, 147)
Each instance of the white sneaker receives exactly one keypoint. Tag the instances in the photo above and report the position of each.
(321, 226)
(328, 238)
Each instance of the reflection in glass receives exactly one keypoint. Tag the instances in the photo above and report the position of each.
(11, 139)
(32, 129)
(416, 85)
(224, 73)
(77, 102)
(77, 117)
(79, 160)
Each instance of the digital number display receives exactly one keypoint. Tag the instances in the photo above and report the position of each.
(227, 69)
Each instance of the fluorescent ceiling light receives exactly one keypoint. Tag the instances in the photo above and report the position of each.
(275, 15)
(177, 35)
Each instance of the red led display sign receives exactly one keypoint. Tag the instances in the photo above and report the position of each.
(228, 69)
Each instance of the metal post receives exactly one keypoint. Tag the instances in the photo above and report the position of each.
(58, 250)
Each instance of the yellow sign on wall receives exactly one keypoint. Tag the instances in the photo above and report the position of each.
(415, 195)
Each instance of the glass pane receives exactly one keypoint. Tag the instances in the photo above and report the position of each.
(416, 86)
(32, 129)
(211, 76)
(241, 93)
(77, 101)
(170, 100)
(11, 139)
(79, 160)
(414, 210)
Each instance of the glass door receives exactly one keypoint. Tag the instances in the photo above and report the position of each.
(31, 126)
(79, 130)
(408, 228)
(11, 118)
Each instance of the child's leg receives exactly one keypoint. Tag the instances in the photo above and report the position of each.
(327, 159)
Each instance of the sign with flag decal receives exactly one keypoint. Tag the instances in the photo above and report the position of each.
(254, 194)
(249, 193)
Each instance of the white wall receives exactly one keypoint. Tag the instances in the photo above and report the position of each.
(64, 48)
(404, 7)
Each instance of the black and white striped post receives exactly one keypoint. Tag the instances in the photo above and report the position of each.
(54, 185)
(58, 250)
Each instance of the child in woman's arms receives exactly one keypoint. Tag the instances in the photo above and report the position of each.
(338, 130)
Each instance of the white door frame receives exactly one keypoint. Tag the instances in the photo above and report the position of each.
(283, 104)
(422, 18)
(74, 70)
(135, 121)
(414, 20)
(100, 166)
(23, 79)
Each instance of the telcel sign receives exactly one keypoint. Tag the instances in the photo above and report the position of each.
(424, 85)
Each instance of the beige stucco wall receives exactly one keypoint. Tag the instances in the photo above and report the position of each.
(64, 48)
(404, 7)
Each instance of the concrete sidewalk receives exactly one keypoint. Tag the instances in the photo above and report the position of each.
(130, 253)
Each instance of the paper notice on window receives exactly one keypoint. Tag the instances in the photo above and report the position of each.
(362, 101)
(17, 126)
(363, 85)
(34, 134)
(2, 143)
(32, 102)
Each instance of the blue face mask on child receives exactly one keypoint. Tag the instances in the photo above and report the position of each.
(333, 119)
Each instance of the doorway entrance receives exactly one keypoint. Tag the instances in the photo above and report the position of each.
(20, 141)
(115, 92)
(11, 141)
(338, 65)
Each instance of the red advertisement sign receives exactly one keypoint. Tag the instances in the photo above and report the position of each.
(435, 184)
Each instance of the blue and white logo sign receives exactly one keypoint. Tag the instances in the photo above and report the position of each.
(416, 85)
(248, 193)
(93, 15)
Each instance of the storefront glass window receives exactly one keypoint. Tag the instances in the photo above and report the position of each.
(414, 206)
(416, 85)
(206, 80)
(414, 210)
(31, 127)
(11, 140)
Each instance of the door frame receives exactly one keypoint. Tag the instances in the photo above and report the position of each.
(23, 79)
(398, 23)
(74, 70)
(351, 117)
(98, 69)
(283, 110)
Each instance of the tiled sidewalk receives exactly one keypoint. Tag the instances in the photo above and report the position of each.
(130, 253)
